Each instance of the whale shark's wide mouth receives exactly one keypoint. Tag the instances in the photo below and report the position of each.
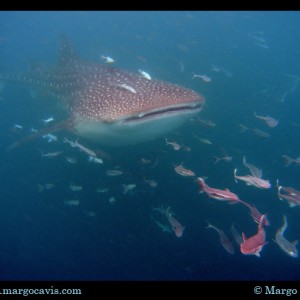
(189, 108)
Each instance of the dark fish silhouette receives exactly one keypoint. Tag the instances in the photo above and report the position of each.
(111, 106)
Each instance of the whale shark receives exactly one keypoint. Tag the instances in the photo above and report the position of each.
(110, 106)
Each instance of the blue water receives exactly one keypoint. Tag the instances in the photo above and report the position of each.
(42, 237)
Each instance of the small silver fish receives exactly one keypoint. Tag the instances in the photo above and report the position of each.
(17, 126)
(283, 243)
(75, 188)
(126, 87)
(52, 154)
(203, 77)
(114, 173)
(50, 137)
(128, 187)
(102, 190)
(72, 202)
(107, 59)
(271, 122)
(145, 75)
(224, 240)
(253, 169)
(96, 160)
(46, 121)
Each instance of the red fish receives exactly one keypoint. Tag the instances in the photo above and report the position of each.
(252, 180)
(176, 226)
(254, 244)
(217, 194)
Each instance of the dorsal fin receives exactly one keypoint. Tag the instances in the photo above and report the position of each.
(67, 54)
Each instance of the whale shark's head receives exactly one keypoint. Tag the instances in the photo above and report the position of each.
(122, 108)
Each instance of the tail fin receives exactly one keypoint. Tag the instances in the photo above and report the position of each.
(279, 187)
(208, 224)
(266, 220)
(262, 221)
(234, 173)
(168, 213)
(201, 183)
(216, 159)
(243, 128)
(57, 127)
(285, 225)
(288, 160)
